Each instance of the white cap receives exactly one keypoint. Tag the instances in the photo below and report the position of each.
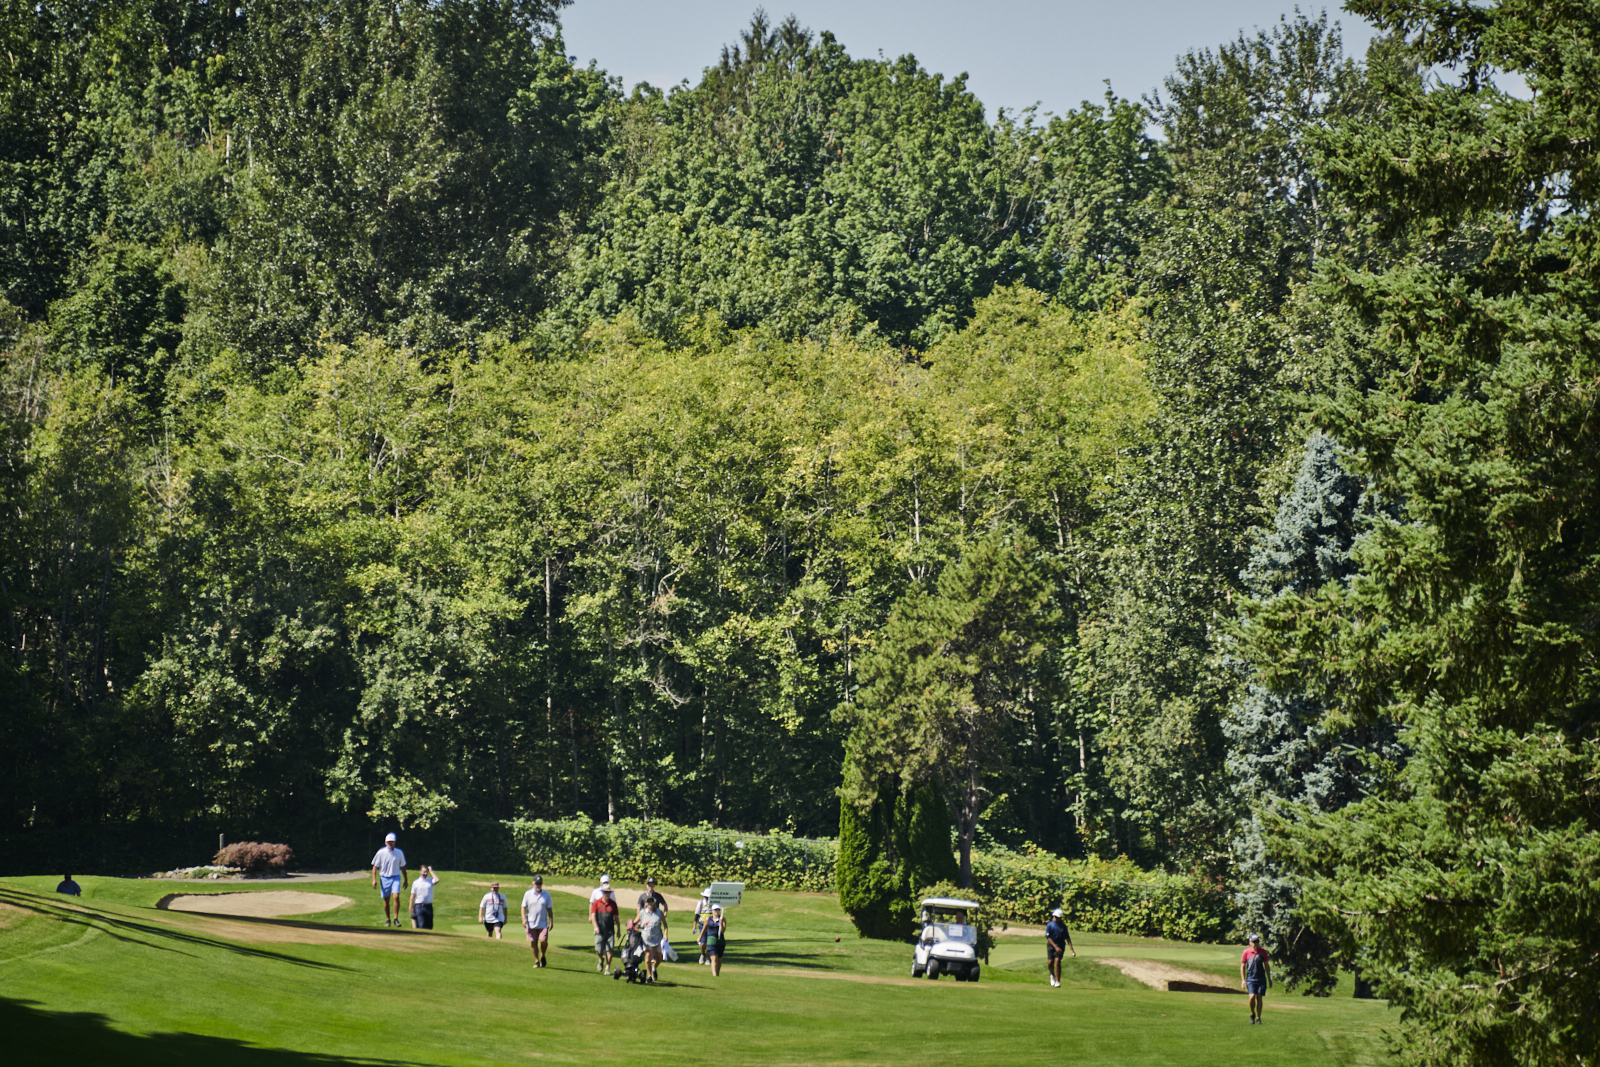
(705, 892)
(386, 840)
(605, 879)
(1056, 913)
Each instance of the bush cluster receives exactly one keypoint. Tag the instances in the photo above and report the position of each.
(255, 857)
(1113, 897)
(630, 849)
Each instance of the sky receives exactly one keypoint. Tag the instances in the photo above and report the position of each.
(1015, 52)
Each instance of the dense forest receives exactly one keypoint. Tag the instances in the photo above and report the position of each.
(399, 421)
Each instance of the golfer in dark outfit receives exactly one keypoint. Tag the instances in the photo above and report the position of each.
(1057, 940)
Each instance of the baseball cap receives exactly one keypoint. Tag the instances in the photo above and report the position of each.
(716, 907)
(388, 838)
(605, 879)
(651, 880)
(1056, 913)
(705, 892)
(1255, 937)
(539, 878)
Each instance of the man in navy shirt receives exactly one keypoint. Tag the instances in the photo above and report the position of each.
(69, 887)
(1057, 940)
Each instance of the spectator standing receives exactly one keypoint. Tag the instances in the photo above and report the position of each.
(652, 926)
(1255, 972)
(713, 937)
(422, 899)
(389, 867)
(603, 917)
(492, 911)
(1057, 939)
(538, 919)
(69, 887)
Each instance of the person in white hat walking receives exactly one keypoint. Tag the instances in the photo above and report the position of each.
(605, 887)
(538, 919)
(702, 912)
(1057, 940)
(389, 865)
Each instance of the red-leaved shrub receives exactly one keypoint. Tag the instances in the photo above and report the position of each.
(256, 857)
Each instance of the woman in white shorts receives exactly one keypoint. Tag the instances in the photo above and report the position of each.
(653, 925)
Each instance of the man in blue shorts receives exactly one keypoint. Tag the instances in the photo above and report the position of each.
(1057, 939)
(1255, 971)
(389, 866)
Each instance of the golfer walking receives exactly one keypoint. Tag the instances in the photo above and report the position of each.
(389, 868)
(603, 917)
(652, 926)
(1057, 940)
(538, 918)
(492, 911)
(1255, 972)
(713, 936)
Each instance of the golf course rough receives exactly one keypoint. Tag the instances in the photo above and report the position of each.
(110, 977)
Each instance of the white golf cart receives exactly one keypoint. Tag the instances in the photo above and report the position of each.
(948, 944)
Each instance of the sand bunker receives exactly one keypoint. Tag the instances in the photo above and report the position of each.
(1168, 978)
(268, 905)
(308, 934)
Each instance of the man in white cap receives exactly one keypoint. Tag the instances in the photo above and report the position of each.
(492, 911)
(389, 865)
(702, 912)
(1057, 939)
(605, 887)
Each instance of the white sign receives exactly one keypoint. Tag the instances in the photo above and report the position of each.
(727, 893)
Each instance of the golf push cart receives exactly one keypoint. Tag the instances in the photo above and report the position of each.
(948, 944)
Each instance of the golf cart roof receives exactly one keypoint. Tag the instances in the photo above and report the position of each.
(950, 902)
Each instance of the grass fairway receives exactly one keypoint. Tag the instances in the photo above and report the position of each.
(110, 978)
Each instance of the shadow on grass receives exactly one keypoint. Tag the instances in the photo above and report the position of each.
(128, 931)
(34, 1035)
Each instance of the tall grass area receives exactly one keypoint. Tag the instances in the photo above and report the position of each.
(111, 978)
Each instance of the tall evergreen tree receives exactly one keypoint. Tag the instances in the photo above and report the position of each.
(1282, 748)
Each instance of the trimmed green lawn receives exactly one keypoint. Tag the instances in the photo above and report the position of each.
(108, 977)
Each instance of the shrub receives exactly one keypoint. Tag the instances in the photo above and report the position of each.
(631, 849)
(255, 857)
(884, 856)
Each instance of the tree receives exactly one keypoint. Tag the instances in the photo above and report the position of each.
(952, 673)
(887, 854)
(1467, 892)
(1282, 750)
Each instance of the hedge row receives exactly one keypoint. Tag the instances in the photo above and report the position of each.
(1111, 897)
(631, 849)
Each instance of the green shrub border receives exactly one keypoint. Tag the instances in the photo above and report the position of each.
(1109, 897)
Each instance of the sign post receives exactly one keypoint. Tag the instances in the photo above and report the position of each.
(727, 893)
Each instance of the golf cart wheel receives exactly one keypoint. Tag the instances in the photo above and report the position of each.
(972, 975)
(916, 972)
(933, 970)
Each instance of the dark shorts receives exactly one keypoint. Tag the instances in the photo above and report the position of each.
(1053, 953)
(423, 914)
(492, 927)
(1256, 988)
(713, 950)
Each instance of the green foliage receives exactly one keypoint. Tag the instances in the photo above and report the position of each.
(950, 678)
(633, 849)
(1466, 891)
(1109, 896)
(885, 853)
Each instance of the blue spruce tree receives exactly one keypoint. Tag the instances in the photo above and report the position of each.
(1280, 748)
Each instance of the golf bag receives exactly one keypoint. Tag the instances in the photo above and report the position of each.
(632, 954)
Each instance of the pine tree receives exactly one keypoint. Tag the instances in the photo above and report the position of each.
(1280, 746)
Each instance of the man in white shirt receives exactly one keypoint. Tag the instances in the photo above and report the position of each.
(390, 866)
(605, 887)
(538, 917)
(492, 911)
(422, 899)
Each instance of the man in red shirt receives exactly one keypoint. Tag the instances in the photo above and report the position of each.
(603, 917)
(1255, 971)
